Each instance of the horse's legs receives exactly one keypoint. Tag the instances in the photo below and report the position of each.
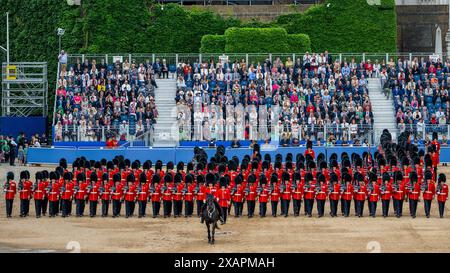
(209, 233)
(213, 231)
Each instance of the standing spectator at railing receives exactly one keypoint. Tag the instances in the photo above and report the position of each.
(62, 58)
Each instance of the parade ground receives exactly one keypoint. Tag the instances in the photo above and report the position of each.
(280, 234)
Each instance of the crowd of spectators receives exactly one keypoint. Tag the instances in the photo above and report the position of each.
(95, 101)
(16, 149)
(419, 89)
(310, 98)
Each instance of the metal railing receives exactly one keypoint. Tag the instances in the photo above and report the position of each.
(425, 132)
(331, 134)
(175, 58)
(128, 133)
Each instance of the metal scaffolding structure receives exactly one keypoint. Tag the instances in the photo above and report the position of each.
(24, 89)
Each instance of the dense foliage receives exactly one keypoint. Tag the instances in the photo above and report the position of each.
(255, 40)
(346, 26)
(213, 43)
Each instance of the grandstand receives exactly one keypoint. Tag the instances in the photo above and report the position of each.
(286, 99)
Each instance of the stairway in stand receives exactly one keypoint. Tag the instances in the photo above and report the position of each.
(166, 129)
(383, 110)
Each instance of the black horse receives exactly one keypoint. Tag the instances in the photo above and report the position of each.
(210, 215)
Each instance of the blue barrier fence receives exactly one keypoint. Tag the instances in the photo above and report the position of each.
(28, 125)
(53, 155)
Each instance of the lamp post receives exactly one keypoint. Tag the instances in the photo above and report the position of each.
(60, 33)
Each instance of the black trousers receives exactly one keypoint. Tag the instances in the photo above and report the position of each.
(24, 207)
(167, 207)
(129, 208)
(70, 208)
(9, 207)
(38, 207)
(342, 207)
(117, 206)
(385, 207)
(359, 206)
(441, 208)
(12, 158)
(320, 207)
(372, 208)
(224, 211)
(177, 207)
(347, 205)
(412, 207)
(398, 205)
(274, 207)
(156, 207)
(285, 207)
(188, 208)
(93, 208)
(250, 207)
(296, 204)
(427, 206)
(237, 208)
(44, 206)
(333, 207)
(80, 204)
(241, 208)
(262, 209)
(199, 207)
(142, 207)
(105, 207)
(65, 207)
(53, 208)
(309, 204)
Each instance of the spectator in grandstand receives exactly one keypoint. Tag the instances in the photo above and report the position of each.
(62, 58)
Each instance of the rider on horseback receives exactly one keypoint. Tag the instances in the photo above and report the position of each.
(211, 180)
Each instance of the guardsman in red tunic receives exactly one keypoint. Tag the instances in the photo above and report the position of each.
(223, 197)
(130, 195)
(263, 195)
(45, 200)
(142, 194)
(321, 194)
(297, 193)
(250, 194)
(442, 194)
(188, 195)
(399, 193)
(386, 193)
(105, 194)
(274, 193)
(309, 151)
(10, 190)
(178, 195)
(66, 194)
(25, 191)
(200, 193)
(38, 194)
(285, 190)
(429, 190)
(166, 191)
(310, 194)
(117, 192)
(373, 191)
(413, 193)
(93, 194)
(80, 194)
(334, 194)
(147, 166)
(155, 191)
(237, 195)
(53, 192)
(347, 194)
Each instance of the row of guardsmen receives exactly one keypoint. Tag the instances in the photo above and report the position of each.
(59, 189)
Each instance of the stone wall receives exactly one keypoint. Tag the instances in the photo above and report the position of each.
(416, 27)
(245, 12)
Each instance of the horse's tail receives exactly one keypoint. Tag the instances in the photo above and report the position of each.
(216, 225)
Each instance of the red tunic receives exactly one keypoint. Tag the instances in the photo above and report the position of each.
(68, 191)
(286, 194)
(156, 194)
(142, 192)
(53, 194)
(117, 192)
(106, 194)
(94, 193)
(10, 192)
(189, 195)
(238, 195)
(264, 195)
(399, 194)
(322, 193)
(81, 193)
(251, 194)
(348, 192)
(442, 195)
(130, 194)
(223, 196)
(429, 192)
(387, 193)
(38, 193)
(25, 193)
(374, 196)
(275, 195)
(335, 192)
(414, 193)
